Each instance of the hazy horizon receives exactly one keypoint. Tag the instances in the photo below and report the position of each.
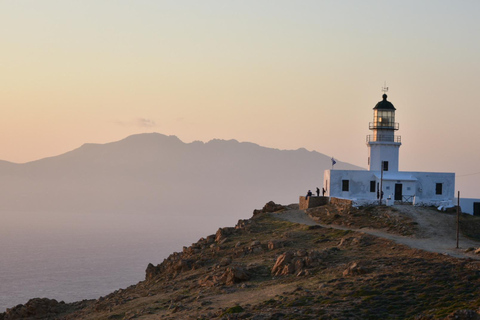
(467, 184)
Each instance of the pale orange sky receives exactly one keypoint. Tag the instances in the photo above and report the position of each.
(283, 74)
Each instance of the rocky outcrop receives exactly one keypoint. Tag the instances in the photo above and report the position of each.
(38, 308)
(269, 207)
(354, 269)
(193, 257)
(276, 244)
(230, 276)
(298, 262)
(223, 233)
(234, 275)
(361, 240)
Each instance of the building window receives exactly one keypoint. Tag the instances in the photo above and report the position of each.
(345, 185)
(438, 188)
(372, 186)
(385, 165)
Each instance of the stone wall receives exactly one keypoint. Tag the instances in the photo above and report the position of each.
(341, 203)
(311, 202)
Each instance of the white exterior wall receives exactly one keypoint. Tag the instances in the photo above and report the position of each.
(383, 151)
(466, 204)
(425, 193)
(408, 189)
(422, 185)
(359, 184)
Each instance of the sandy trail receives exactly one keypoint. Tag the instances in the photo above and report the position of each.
(436, 231)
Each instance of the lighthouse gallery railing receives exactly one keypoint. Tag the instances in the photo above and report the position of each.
(384, 138)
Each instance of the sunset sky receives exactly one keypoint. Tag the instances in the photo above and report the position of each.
(282, 74)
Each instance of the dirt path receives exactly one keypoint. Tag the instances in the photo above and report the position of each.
(436, 231)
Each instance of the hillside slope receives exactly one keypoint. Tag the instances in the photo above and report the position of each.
(270, 268)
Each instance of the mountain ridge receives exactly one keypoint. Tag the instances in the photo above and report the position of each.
(152, 172)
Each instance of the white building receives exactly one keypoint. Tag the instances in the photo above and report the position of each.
(363, 186)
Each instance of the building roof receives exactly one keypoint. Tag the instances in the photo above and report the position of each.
(384, 104)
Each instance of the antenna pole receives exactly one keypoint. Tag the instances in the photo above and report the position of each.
(458, 217)
(385, 88)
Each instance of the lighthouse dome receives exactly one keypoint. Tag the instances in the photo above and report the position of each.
(384, 104)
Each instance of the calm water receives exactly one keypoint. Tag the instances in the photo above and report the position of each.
(71, 257)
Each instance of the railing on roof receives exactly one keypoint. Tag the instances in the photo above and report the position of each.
(384, 138)
(383, 125)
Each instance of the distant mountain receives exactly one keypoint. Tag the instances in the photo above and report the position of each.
(155, 173)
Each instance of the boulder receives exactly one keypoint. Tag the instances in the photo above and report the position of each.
(275, 244)
(223, 233)
(272, 207)
(282, 261)
(225, 261)
(354, 269)
(235, 275)
(151, 272)
(296, 262)
(269, 207)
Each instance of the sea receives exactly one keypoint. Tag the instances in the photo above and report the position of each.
(74, 256)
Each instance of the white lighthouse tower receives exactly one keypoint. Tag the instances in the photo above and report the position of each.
(383, 144)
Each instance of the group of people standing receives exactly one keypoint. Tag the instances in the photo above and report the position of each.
(309, 193)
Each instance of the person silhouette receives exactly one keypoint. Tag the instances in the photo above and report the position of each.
(309, 194)
(318, 192)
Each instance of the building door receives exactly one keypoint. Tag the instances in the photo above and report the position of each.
(476, 208)
(398, 192)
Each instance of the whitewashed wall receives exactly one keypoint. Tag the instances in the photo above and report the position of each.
(423, 188)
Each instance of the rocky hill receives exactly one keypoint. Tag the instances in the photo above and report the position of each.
(268, 267)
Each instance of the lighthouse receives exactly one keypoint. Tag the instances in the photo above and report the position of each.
(383, 144)
(365, 187)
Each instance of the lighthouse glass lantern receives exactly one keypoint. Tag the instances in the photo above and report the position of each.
(383, 143)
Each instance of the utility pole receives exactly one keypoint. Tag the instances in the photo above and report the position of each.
(381, 183)
(458, 217)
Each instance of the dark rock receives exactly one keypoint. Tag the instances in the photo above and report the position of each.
(223, 233)
(354, 269)
(275, 244)
(282, 261)
(236, 275)
(463, 315)
(38, 308)
(269, 207)
(272, 207)
(225, 261)
(151, 272)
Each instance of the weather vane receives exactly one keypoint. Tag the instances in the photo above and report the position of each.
(385, 88)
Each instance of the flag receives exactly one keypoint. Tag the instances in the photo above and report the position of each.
(333, 162)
